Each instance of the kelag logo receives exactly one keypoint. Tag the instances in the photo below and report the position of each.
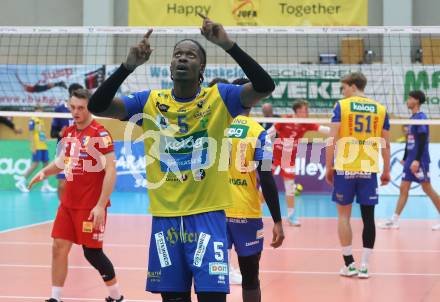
(359, 107)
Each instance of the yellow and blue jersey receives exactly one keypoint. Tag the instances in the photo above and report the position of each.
(36, 126)
(361, 123)
(249, 145)
(183, 147)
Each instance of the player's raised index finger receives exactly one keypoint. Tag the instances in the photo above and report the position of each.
(148, 34)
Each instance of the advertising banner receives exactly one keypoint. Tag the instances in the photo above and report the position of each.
(249, 12)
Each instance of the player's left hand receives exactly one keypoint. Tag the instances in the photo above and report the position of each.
(98, 216)
(415, 165)
(278, 235)
(215, 33)
(329, 176)
(385, 178)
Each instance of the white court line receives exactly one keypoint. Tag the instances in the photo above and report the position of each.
(337, 273)
(48, 221)
(25, 226)
(74, 299)
(305, 249)
(285, 272)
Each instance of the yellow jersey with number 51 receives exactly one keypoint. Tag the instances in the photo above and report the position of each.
(362, 121)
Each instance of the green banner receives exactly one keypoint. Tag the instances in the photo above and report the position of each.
(15, 159)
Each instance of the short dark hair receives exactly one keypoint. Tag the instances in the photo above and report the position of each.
(418, 95)
(81, 94)
(202, 51)
(73, 87)
(240, 81)
(355, 78)
(217, 80)
(299, 104)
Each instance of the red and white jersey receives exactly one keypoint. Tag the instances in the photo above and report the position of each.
(84, 172)
(287, 141)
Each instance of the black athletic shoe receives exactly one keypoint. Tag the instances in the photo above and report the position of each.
(52, 300)
(110, 299)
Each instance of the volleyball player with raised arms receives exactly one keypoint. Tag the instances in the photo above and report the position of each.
(194, 193)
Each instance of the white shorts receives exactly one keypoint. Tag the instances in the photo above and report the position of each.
(289, 187)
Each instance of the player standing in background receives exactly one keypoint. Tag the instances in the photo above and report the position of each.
(56, 131)
(193, 190)
(89, 162)
(289, 135)
(360, 126)
(267, 110)
(416, 161)
(40, 153)
(251, 151)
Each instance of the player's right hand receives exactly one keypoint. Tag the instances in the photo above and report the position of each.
(37, 178)
(140, 53)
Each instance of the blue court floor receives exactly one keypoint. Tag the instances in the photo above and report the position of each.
(23, 209)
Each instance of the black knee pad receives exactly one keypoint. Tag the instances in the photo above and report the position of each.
(176, 297)
(211, 297)
(250, 267)
(99, 260)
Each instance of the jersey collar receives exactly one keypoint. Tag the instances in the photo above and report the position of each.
(185, 100)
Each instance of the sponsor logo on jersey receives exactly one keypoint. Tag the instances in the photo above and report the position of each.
(162, 250)
(154, 276)
(87, 227)
(202, 114)
(202, 243)
(218, 268)
(201, 103)
(184, 144)
(162, 107)
(237, 182)
(252, 243)
(174, 236)
(199, 175)
(237, 131)
(361, 107)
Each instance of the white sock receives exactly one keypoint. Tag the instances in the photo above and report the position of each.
(366, 253)
(56, 293)
(46, 182)
(395, 217)
(347, 250)
(290, 211)
(114, 292)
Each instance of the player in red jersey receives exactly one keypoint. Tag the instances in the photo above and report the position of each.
(89, 166)
(287, 143)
